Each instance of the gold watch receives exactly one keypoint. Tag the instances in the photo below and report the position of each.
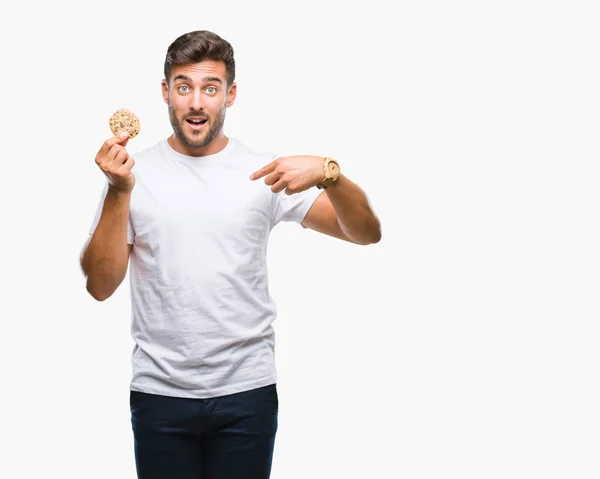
(331, 168)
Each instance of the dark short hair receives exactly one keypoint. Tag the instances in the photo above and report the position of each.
(194, 47)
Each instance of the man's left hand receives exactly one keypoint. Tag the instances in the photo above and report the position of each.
(292, 173)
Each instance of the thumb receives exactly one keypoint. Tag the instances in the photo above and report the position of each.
(123, 137)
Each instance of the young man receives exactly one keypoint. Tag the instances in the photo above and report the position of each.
(194, 221)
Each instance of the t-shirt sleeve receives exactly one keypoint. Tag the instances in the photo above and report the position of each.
(130, 231)
(293, 207)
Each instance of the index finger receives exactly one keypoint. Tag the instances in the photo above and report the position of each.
(122, 139)
(265, 170)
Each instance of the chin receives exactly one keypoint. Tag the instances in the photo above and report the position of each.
(195, 142)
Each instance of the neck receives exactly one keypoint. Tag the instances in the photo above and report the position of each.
(215, 146)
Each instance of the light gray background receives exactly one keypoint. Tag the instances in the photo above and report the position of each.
(464, 345)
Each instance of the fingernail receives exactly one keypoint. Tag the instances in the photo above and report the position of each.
(123, 135)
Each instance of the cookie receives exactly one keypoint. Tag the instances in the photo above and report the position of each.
(124, 120)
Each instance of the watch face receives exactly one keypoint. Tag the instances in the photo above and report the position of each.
(333, 168)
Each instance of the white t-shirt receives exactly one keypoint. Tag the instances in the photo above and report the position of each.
(201, 310)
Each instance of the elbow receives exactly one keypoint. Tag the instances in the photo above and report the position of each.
(370, 233)
(100, 297)
(377, 232)
(98, 294)
(374, 236)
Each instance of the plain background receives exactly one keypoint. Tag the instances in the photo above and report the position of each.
(463, 345)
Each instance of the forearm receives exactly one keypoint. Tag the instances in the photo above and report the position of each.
(355, 216)
(104, 261)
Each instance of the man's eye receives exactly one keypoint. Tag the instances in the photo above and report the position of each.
(214, 90)
(183, 89)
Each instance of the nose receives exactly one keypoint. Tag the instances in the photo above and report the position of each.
(196, 101)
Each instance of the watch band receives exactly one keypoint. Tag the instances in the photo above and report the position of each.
(327, 182)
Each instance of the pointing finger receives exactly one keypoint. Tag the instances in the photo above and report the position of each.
(265, 170)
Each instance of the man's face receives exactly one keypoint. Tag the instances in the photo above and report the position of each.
(198, 96)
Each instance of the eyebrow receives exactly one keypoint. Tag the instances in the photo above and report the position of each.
(205, 79)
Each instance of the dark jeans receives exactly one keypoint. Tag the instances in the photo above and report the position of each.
(227, 437)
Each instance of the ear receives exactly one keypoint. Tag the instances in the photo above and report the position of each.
(165, 91)
(231, 94)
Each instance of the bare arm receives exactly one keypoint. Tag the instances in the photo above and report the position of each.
(346, 213)
(105, 256)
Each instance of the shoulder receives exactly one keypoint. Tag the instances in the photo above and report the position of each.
(251, 160)
(241, 149)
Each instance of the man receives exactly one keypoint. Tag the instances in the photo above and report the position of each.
(195, 223)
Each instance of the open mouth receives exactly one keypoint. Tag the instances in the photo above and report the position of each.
(196, 122)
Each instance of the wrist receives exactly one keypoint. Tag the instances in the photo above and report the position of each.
(331, 172)
(118, 193)
(335, 185)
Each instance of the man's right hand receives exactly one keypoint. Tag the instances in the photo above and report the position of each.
(115, 162)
